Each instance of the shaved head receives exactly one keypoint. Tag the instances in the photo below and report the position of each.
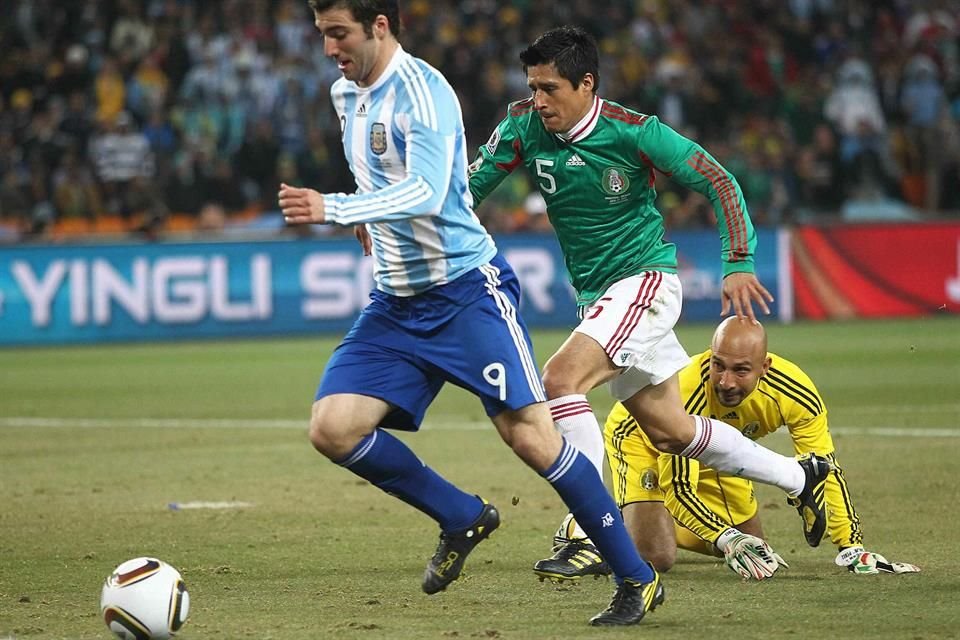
(740, 336)
(739, 359)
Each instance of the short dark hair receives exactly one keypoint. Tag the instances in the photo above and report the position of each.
(572, 51)
(364, 11)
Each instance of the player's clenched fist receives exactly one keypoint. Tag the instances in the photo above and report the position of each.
(300, 205)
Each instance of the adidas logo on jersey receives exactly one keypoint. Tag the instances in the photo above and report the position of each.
(730, 416)
(362, 110)
(576, 161)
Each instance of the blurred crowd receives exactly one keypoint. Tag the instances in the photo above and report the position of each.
(147, 110)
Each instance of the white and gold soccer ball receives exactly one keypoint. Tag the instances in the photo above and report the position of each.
(144, 599)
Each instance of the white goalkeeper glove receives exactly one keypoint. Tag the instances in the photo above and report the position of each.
(866, 563)
(749, 556)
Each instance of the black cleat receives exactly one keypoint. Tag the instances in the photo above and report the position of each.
(447, 563)
(572, 560)
(811, 503)
(631, 601)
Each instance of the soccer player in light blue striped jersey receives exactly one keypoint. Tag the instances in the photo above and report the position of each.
(444, 308)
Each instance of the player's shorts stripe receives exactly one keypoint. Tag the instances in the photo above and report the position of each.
(629, 319)
(509, 315)
(621, 432)
(565, 460)
(797, 386)
(790, 392)
(856, 533)
(646, 293)
(723, 496)
(688, 498)
(362, 451)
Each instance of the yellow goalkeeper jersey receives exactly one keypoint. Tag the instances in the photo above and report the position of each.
(784, 397)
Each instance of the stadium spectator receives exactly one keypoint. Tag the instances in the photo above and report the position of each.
(123, 163)
(226, 64)
(924, 105)
(75, 191)
(257, 163)
(820, 173)
(110, 91)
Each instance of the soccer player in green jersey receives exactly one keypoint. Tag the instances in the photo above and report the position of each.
(594, 161)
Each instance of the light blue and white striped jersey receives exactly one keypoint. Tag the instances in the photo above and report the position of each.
(403, 137)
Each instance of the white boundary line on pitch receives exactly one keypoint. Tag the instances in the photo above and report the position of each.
(223, 423)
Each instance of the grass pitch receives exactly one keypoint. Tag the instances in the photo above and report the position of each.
(95, 443)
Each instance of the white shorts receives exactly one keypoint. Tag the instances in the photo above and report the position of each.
(633, 321)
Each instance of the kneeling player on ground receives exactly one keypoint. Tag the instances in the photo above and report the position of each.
(739, 382)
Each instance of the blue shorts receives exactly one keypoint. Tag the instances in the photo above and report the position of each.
(467, 332)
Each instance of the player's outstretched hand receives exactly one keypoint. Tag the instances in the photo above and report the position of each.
(300, 205)
(740, 291)
(748, 556)
(867, 563)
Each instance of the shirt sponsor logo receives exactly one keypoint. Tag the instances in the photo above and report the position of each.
(615, 181)
(378, 138)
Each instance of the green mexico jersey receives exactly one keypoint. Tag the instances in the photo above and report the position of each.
(598, 183)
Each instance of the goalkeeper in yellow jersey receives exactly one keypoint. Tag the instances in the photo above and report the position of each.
(739, 382)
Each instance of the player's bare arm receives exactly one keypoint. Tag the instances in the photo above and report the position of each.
(740, 291)
(300, 205)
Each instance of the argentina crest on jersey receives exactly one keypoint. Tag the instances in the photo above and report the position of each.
(378, 138)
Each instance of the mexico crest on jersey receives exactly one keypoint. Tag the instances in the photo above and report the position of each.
(378, 138)
(615, 181)
(648, 479)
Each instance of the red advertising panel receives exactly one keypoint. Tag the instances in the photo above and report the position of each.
(876, 270)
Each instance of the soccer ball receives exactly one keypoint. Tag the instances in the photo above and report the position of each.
(144, 599)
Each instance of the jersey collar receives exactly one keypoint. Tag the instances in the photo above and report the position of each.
(586, 126)
(391, 67)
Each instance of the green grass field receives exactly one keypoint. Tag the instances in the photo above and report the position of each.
(95, 442)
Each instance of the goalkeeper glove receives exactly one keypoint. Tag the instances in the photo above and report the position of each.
(866, 563)
(749, 556)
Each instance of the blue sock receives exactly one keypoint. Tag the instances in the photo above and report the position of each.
(390, 465)
(577, 482)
